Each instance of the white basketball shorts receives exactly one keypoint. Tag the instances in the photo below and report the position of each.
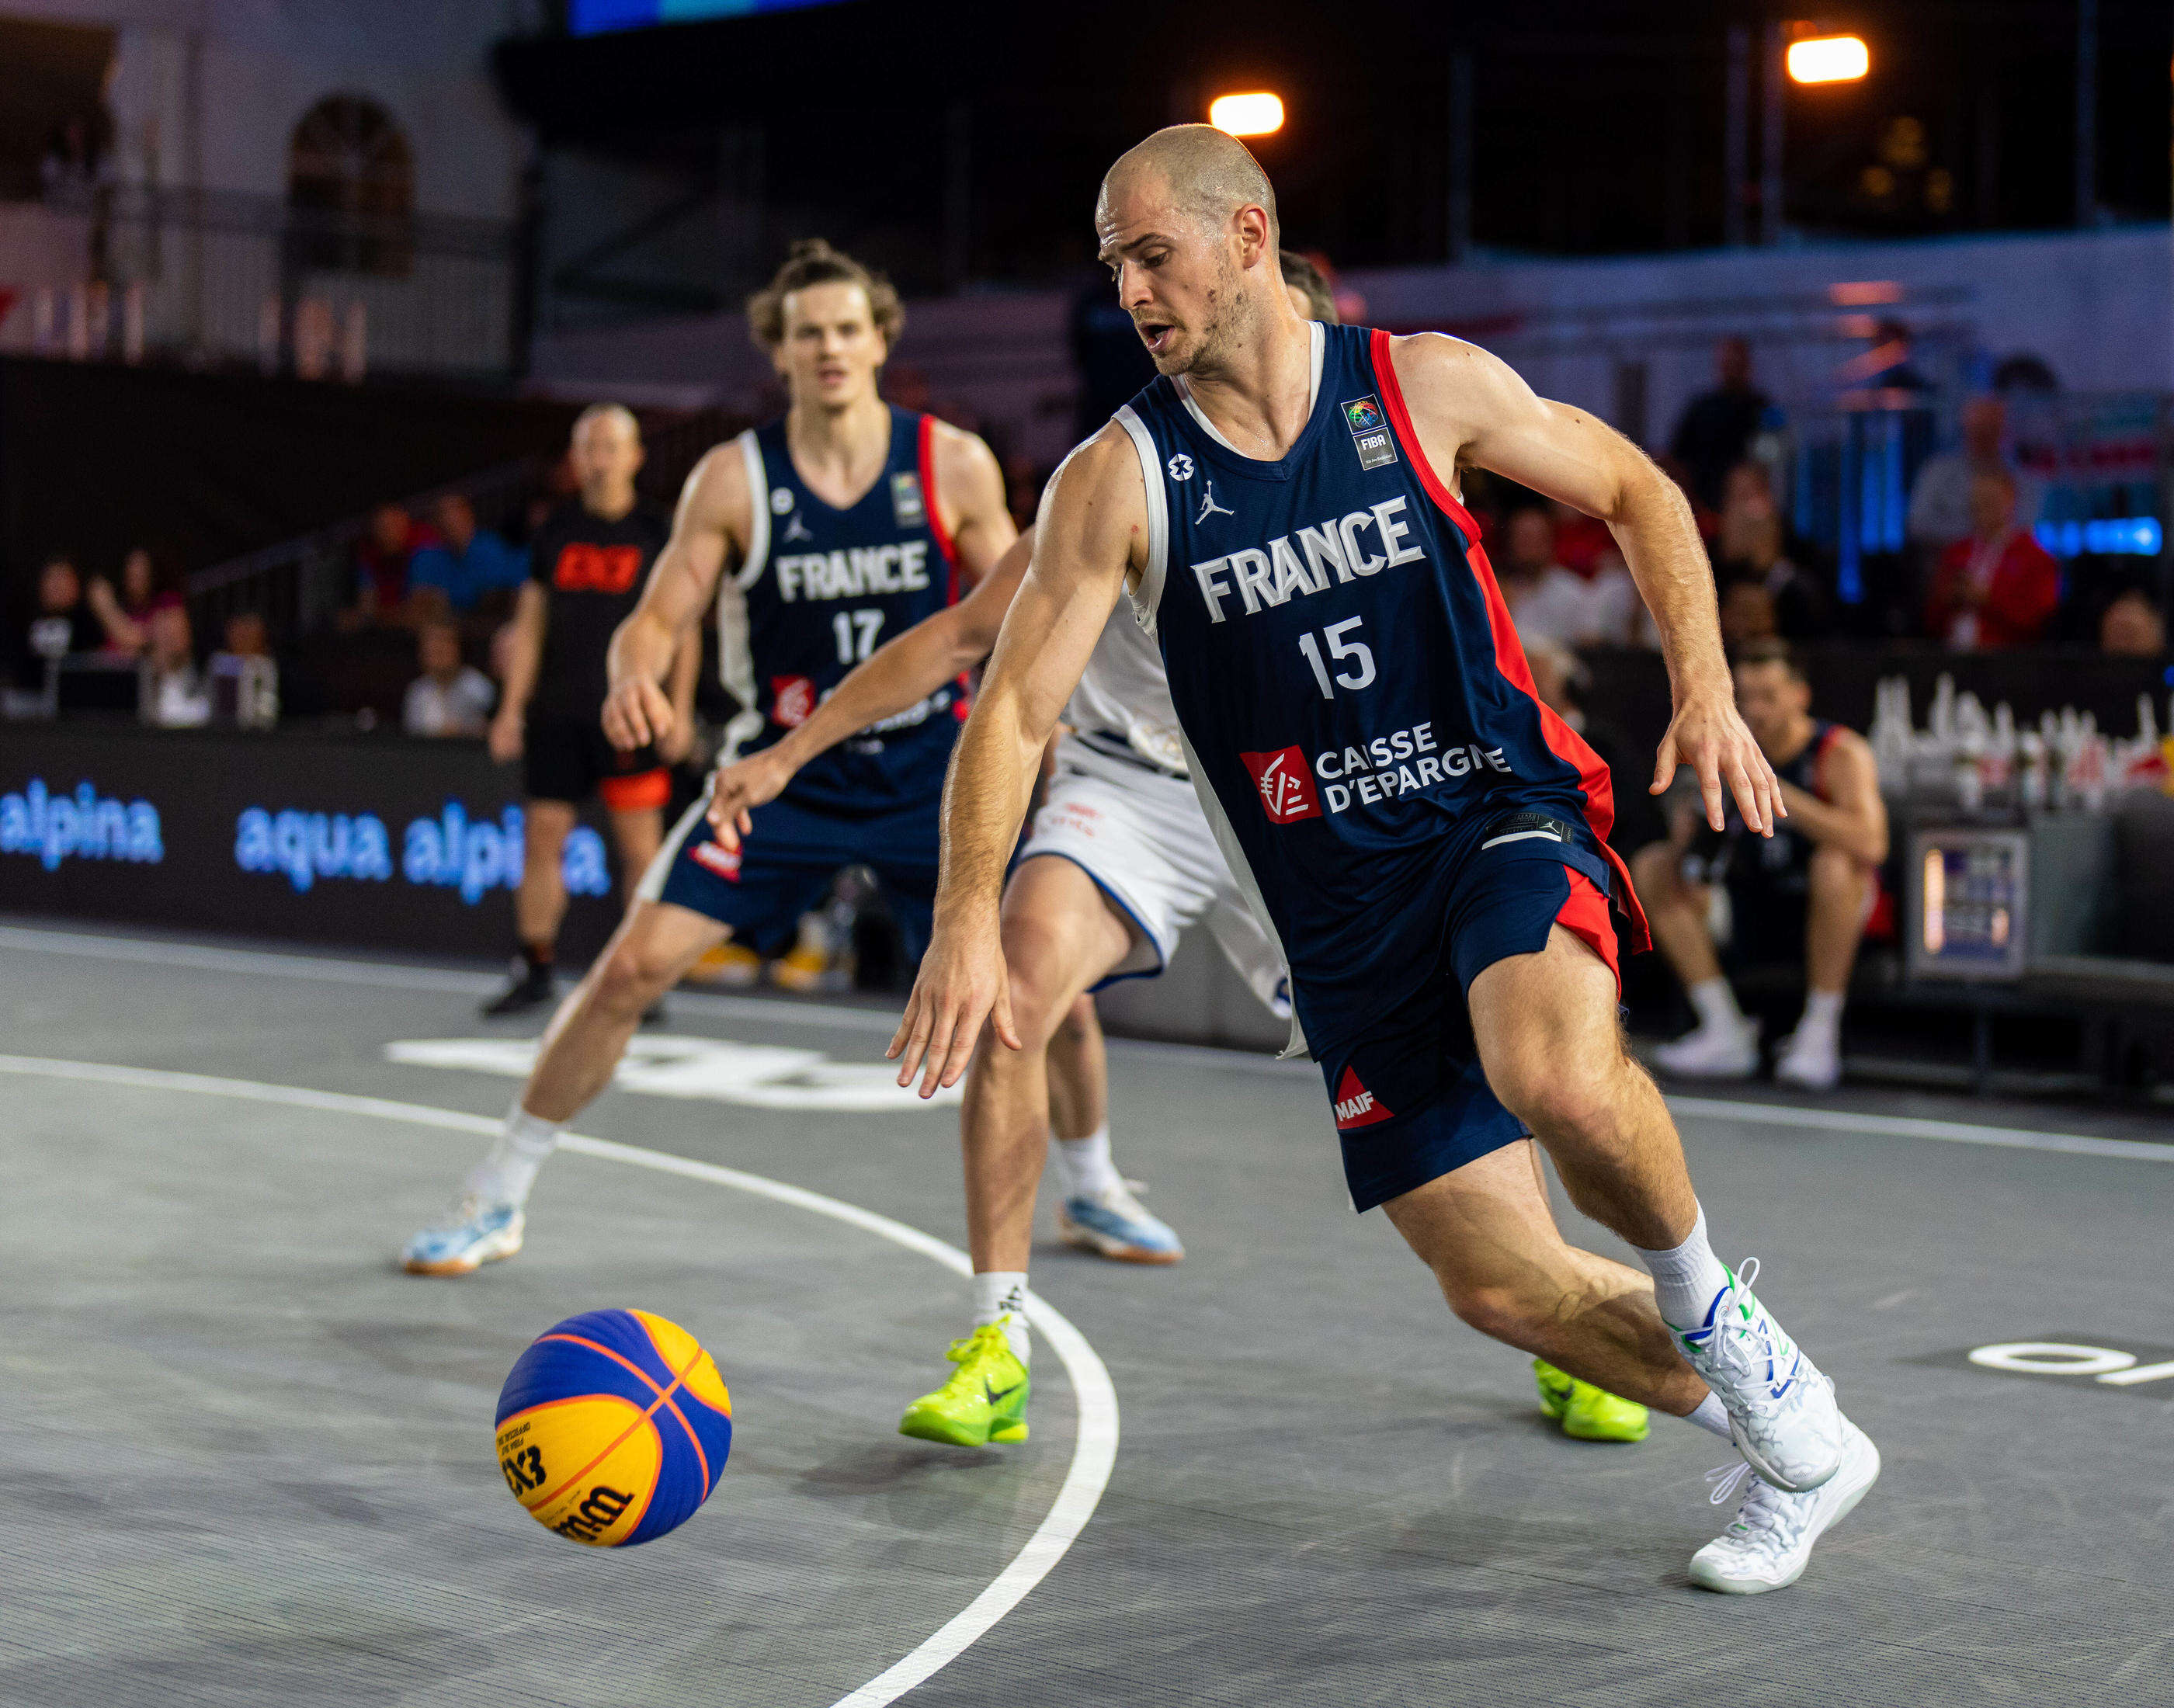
(1138, 832)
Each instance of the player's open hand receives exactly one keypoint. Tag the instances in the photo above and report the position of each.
(503, 738)
(637, 712)
(737, 787)
(1708, 734)
(962, 983)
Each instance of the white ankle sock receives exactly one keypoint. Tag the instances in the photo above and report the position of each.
(1715, 1004)
(1685, 1278)
(1088, 1170)
(1822, 1015)
(1001, 1293)
(506, 1176)
(1711, 1416)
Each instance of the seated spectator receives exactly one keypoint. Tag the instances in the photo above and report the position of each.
(1805, 893)
(124, 615)
(243, 678)
(2000, 587)
(449, 698)
(1583, 544)
(382, 564)
(64, 624)
(1550, 602)
(172, 694)
(1717, 427)
(2131, 627)
(468, 562)
(1749, 544)
(1747, 612)
(1940, 498)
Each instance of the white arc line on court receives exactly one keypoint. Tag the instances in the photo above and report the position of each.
(1094, 1448)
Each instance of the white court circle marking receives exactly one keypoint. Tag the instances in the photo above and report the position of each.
(2051, 1357)
(1095, 1449)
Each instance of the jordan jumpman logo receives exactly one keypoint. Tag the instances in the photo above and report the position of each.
(1209, 507)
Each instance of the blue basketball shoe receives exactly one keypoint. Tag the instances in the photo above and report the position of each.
(473, 1233)
(1112, 1224)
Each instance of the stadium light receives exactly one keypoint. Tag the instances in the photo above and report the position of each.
(1828, 59)
(1256, 114)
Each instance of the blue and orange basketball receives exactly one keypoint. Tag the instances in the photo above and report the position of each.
(613, 1428)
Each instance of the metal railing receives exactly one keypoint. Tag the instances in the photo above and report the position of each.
(299, 584)
(218, 276)
(2099, 468)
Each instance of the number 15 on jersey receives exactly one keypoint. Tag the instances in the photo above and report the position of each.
(1356, 657)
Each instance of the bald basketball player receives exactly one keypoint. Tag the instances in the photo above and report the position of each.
(1120, 861)
(1426, 839)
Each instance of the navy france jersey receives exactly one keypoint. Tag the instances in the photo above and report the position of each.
(821, 589)
(1355, 704)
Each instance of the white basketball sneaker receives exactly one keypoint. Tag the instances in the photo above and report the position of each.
(1811, 1058)
(1769, 1542)
(1781, 1411)
(472, 1233)
(1725, 1051)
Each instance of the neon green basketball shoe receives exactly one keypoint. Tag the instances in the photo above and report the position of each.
(1586, 1413)
(984, 1401)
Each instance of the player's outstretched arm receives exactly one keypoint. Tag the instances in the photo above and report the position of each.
(711, 524)
(1472, 408)
(1092, 533)
(899, 672)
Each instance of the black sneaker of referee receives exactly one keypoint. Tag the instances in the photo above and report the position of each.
(531, 987)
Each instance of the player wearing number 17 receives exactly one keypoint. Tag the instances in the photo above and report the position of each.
(1426, 839)
(814, 539)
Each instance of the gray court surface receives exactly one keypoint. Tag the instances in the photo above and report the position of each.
(244, 1461)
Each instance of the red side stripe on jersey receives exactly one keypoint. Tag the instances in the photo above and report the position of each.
(925, 448)
(925, 451)
(1564, 742)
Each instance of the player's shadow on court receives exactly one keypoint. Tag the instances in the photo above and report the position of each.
(898, 1467)
(433, 1351)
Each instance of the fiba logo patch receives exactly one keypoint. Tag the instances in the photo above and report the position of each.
(1180, 467)
(791, 700)
(1370, 431)
(1286, 783)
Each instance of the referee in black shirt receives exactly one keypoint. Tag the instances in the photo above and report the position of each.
(587, 569)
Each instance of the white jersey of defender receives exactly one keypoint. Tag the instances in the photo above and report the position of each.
(1123, 695)
(1120, 809)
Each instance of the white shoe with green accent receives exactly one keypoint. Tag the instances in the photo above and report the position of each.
(1781, 1410)
(1769, 1543)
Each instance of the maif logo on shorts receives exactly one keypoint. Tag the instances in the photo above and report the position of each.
(718, 858)
(1286, 783)
(1357, 1106)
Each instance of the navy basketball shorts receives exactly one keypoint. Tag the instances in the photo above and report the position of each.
(784, 867)
(1410, 1100)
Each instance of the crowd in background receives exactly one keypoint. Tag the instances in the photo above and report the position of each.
(1974, 577)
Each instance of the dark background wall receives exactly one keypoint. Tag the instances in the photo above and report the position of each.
(96, 458)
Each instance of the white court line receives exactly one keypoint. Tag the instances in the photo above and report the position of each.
(1911, 1126)
(271, 964)
(1095, 1449)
